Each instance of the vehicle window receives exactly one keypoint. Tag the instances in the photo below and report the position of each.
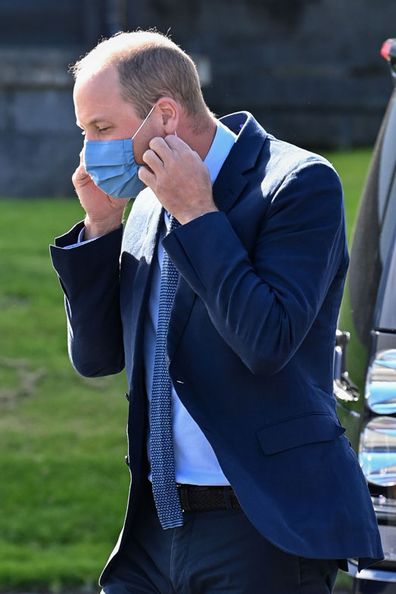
(374, 236)
(387, 184)
(387, 315)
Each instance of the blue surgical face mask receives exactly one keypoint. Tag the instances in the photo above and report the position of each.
(112, 166)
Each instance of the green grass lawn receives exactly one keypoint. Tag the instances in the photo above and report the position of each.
(63, 482)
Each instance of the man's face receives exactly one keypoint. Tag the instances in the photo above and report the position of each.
(103, 114)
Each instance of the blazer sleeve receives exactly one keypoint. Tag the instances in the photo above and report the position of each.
(264, 304)
(89, 276)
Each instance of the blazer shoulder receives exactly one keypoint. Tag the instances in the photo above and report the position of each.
(286, 161)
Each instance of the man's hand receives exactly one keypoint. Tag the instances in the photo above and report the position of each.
(178, 177)
(103, 213)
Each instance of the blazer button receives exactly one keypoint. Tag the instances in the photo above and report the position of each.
(127, 460)
(126, 396)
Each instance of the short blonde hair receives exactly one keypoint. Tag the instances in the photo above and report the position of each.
(150, 66)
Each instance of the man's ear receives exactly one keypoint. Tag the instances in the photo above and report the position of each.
(169, 112)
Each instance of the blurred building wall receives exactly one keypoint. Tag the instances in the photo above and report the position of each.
(309, 70)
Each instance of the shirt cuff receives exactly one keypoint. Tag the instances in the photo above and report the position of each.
(80, 240)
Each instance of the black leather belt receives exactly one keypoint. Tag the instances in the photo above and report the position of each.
(203, 498)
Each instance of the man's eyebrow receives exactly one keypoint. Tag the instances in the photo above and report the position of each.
(93, 122)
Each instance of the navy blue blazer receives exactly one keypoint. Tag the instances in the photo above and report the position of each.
(251, 339)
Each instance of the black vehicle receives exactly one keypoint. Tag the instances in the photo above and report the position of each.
(365, 362)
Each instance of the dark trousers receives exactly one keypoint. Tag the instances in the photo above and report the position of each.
(213, 552)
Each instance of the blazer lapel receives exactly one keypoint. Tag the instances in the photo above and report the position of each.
(144, 267)
(139, 244)
(232, 178)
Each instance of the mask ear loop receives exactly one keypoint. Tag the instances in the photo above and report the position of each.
(144, 121)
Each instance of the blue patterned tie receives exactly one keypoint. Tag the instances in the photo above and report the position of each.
(161, 443)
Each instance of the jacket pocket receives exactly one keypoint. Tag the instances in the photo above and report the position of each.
(298, 431)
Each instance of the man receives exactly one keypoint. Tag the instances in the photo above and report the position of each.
(220, 296)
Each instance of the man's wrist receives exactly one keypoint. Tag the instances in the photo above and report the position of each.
(95, 229)
(190, 216)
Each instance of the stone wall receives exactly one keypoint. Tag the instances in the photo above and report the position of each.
(309, 70)
(39, 142)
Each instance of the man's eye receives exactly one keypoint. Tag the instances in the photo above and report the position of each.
(100, 130)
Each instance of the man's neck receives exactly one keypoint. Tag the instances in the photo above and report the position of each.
(200, 140)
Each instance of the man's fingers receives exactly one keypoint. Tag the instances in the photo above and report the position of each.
(175, 143)
(146, 177)
(167, 147)
(161, 148)
(81, 172)
(153, 161)
(80, 176)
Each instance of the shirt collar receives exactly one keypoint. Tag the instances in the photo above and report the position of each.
(222, 143)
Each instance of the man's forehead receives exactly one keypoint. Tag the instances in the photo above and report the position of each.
(91, 110)
(102, 82)
(97, 97)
